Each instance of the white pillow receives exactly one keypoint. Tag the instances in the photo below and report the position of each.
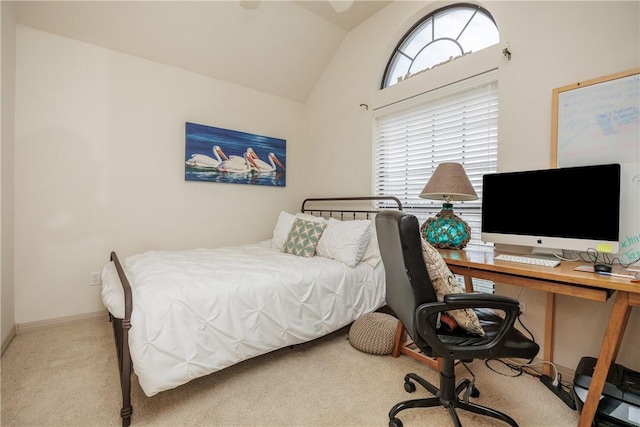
(345, 241)
(372, 253)
(284, 224)
(281, 230)
(313, 218)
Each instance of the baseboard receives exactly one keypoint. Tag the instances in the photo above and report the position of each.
(567, 373)
(7, 342)
(38, 325)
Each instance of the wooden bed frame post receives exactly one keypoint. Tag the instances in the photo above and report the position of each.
(125, 376)
(121, 334)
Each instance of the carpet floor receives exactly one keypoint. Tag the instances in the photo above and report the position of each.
(67, 376)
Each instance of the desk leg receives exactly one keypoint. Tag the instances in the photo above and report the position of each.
(548, 333)
(608, 352)
(468, 283)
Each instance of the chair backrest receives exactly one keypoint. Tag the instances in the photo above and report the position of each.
(407, 281)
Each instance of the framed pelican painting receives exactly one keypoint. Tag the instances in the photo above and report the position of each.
(223, 155)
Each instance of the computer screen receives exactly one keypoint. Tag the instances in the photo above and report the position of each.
(573, 208)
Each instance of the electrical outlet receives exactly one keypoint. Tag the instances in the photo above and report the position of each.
(523, 307)
(95, 279)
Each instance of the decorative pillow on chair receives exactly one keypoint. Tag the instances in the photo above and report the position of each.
(445, 283)
(303, 237)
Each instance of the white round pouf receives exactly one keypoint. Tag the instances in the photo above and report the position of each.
(373, 333)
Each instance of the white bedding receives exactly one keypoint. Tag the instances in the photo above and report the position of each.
(198, 311)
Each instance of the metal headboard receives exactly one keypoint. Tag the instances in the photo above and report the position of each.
(344, 207)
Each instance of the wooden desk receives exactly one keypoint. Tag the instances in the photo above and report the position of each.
(565, 281)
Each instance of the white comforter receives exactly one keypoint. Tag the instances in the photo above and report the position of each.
(198, 311)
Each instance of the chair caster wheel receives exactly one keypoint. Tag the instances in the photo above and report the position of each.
(394, 422)
(475, 392)
(409, 387)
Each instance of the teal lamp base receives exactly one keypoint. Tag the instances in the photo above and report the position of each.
(446, 230)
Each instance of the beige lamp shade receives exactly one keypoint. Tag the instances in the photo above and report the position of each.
(449, 182)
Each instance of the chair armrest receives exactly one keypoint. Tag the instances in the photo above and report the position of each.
(480, 297)
(482, 347)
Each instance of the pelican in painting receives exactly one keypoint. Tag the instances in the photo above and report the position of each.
(234, 164)
(261, 165)
(207, 162)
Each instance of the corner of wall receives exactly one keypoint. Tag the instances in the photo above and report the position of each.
(7, 126)
(12, 333)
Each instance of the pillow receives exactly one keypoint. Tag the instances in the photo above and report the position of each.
(303, 237)
(372, 252)
(309, 217)
(283, 227)
(444, 282)
(345, 241)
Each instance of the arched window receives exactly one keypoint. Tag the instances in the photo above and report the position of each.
(448, 121)
(440, 37)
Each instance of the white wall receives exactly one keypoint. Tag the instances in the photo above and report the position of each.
(99, 166)
(7, 75)
(553, 44)
(100, 136)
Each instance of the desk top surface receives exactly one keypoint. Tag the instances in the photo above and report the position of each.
(564, 273)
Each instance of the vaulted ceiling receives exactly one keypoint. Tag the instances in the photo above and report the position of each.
(277, 47)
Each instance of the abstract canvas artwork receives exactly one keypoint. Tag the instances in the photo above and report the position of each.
(223, 155)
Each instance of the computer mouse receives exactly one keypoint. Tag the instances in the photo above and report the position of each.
(602, 268)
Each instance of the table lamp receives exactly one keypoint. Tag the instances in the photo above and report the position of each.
(446, 230)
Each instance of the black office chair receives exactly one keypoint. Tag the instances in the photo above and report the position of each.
(412, 298)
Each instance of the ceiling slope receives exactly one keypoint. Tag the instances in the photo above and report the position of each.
(277, 47)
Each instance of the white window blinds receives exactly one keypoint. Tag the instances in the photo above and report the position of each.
(456, 123)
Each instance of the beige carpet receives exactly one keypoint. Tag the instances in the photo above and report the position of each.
(67, 376)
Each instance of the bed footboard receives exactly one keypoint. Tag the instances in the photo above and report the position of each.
(121, 334)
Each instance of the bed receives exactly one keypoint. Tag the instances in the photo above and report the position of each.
(180, 315)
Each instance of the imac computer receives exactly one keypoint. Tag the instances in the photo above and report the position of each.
(550, 210)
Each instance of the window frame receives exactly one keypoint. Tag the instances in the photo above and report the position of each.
(483, 61)
(418, 24)
(424, 208)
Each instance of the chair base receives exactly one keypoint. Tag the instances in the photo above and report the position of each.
(446, 396)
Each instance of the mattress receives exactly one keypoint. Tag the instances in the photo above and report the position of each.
(198, 311)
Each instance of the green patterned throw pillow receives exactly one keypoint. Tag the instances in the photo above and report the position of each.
(303, 238)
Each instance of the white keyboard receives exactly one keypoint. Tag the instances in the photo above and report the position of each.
(532, 260)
